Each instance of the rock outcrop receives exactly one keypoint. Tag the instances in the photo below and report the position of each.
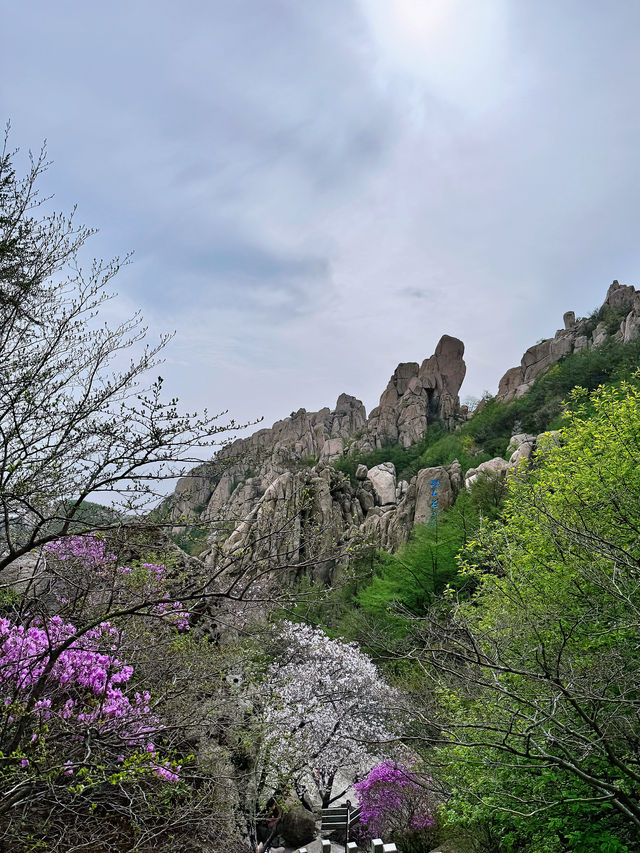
(244, 469)
(521, 448)
(308, 522)
(416, 395)
(275, 500)
(225, 491)
(621, 300)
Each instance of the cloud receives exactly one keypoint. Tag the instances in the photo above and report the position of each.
(458, 51)
(317, 191)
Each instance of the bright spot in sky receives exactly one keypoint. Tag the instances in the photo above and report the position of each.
(456, 49)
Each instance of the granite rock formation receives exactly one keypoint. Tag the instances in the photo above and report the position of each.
(622, 300)
(224, 491)
(276, 500)
(416, 395)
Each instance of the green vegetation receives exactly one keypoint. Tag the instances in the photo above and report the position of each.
(538, 675)
(532, 641)
(409, 581)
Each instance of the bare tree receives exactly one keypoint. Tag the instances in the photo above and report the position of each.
(74, 426)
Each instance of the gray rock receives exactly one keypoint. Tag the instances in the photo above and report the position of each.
(521, 453)
(297, 826)
(415, 395)
(518, 440)
(332, 449)
(383, 480)
(509, 383)
(445, 481)
(620, 297)
(361, 472)
(599, 335)
(366, 499)
(401, 489)
(494, 469)
(348, 417)
(630, 326)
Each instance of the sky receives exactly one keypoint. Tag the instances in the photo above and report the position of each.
(317, 190)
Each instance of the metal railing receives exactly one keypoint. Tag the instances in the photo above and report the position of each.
(377, 846)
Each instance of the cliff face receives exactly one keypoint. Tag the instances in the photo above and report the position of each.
(274, 500)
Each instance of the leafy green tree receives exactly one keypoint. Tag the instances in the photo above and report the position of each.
(539, 674)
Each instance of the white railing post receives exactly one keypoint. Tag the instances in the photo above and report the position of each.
(376, 845)
(389, 848)
(352, 847)
(326, 846)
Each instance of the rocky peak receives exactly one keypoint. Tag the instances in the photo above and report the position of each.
(416, 395)
(623, 300)
(246, 474)
(620, 297)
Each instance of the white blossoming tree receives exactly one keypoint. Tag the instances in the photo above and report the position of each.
(328, 709)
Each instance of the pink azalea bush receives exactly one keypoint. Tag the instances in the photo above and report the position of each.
(147, 581)
(58, 682)
(394, 804)
(54, 679)
(90, 550)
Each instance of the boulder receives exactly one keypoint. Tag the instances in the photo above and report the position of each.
(366, 497)
(297, 827)
(383, 480)
(401, 489)
(521, 453)
(361, 472)
(495, 469)
(444, 481)
(516, 441)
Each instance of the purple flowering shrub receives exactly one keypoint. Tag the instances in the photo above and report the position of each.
(88, 578)
(395, 805)
(108, 702)
(68, 701)
(59, 686)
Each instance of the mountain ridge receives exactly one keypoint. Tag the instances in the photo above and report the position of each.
(279, 497)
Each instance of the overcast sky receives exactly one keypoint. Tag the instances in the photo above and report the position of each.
(316, 190)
